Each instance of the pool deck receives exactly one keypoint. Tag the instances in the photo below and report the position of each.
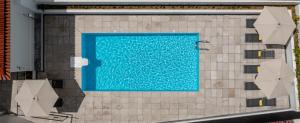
(221, 69)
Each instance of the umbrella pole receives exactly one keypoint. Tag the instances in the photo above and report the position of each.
(17, 104)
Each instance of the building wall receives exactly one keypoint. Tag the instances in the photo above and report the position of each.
(22, 36)
(186, 2)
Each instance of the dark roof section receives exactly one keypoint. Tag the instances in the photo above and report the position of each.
(5, 40)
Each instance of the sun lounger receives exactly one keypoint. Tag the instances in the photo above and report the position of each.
(249, 23)
(252, 38)
(259, 54)
(251, 69)
(259, 102)
(57, 83)
(270, 102)
(251, 86)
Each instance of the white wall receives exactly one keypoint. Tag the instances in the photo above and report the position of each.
(22, 38)
(30, 4)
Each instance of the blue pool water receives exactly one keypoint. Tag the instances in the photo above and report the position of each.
(140, 62)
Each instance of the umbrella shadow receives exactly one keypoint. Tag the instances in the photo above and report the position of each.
(58, 117)
(59, 31)
(72, 96)
(275, 46)
(5, 95)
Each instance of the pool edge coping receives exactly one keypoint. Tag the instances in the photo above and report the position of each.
(83, 36)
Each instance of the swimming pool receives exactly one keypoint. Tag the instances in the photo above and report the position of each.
(140, 62)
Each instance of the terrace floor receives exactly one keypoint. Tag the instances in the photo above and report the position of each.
(221, 68)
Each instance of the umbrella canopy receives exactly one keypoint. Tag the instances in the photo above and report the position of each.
(275, 78)
(36, 97)
(275, 25)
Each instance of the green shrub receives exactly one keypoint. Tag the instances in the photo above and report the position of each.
(297, 49)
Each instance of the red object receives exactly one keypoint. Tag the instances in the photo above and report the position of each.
(4, 39)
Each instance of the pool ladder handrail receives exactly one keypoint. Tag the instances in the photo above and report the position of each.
(203, 41)
(203, 48)
(198, 45)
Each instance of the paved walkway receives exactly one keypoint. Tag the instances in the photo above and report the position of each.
(221, 69)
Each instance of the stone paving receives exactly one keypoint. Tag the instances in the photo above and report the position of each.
(221, 68)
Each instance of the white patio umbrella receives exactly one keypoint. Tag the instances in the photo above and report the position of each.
(275, 25)
(36, 97)
(275, 78)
